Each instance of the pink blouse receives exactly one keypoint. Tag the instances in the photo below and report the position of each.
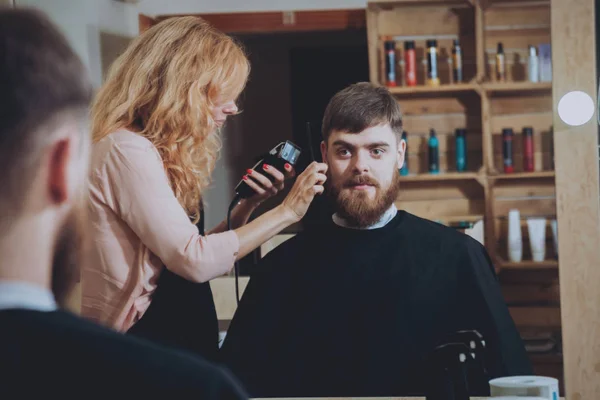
(138, 227)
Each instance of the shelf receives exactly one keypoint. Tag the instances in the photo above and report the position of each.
(442, 176)
(527, 265)
(499, 87)
(524, 175)
(460, 218)
(423, 89)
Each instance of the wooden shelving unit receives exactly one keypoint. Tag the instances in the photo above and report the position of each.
(423, 89)
(500, 87)
(482, 106)
(444, 176)
(530, 265)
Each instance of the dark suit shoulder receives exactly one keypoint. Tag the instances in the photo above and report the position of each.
(92, 354)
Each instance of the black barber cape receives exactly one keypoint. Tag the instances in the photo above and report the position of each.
(345, 312)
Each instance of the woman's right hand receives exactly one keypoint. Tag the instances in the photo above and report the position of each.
(308, 184)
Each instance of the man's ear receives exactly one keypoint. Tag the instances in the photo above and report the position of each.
(401, 153)
(58, 176)
(324, 152)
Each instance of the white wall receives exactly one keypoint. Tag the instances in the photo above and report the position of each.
(83, 21)
(158, 7)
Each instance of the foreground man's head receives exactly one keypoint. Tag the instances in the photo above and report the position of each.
(362, 145)
(43, 152)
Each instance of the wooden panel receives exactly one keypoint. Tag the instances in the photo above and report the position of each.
(531, 294)
(442, 123)
(577, 179)
(440, 190)
(409, 20)
(536, 317)
(526, 206)
(292, 21)
(525, 188)
(521, 103)
(373, 45)
(464, 104)
(517, 16)
(441, 208)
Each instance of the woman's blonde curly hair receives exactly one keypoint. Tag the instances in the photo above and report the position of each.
(163, 87)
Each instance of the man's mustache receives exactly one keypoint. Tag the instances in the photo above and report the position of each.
(361, 180)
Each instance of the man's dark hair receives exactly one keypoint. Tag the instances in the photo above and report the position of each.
(361, 106)
(42, 82)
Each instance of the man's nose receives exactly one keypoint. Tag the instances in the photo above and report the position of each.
(361, 164)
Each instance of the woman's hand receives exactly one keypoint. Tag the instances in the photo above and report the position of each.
(309, 183)
(263, 186)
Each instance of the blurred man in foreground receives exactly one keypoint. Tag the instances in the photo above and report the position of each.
(43, 165)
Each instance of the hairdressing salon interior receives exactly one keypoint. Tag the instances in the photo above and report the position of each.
(499, 104)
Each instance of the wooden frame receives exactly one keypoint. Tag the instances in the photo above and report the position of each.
(285, 21)
(573, 38)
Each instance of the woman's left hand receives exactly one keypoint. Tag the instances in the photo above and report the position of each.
(263, 186)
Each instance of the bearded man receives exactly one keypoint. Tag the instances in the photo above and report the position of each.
(356, 307)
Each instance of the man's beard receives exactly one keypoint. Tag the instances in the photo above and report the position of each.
(355, 206)
(68, 254)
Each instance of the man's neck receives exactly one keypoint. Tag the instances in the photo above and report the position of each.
(385, 218)
(26, 251)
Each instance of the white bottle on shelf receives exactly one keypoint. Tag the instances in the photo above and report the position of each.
(533, 65)
(515, 240)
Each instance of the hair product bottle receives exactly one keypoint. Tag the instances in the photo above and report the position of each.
(404, 169)
(410, 61)
(515, 239)
(461, 150)
(500, 64)
(390, 63)
(507, 150)
(528, 162)
(457, 62)
(434, 155)
(533, 65)
(432, 63)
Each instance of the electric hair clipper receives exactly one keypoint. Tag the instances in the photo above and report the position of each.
(284, 152)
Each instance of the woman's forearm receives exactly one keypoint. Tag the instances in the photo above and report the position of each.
(263, 228)
(239, 216)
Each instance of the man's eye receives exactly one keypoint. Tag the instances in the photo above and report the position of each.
(378, 152)
(343, 152)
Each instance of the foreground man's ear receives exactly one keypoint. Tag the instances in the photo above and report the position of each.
(58, 167)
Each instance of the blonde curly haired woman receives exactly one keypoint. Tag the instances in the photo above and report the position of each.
(155, 126)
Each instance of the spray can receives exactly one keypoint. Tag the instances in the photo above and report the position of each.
(528, 162)
(500, 64)
(434, 155)
(432, 63)
(533, 65)
(390, 63)
(404, 169)
(457, 62)
(507, 150)
(410, 61)
(461, 150)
